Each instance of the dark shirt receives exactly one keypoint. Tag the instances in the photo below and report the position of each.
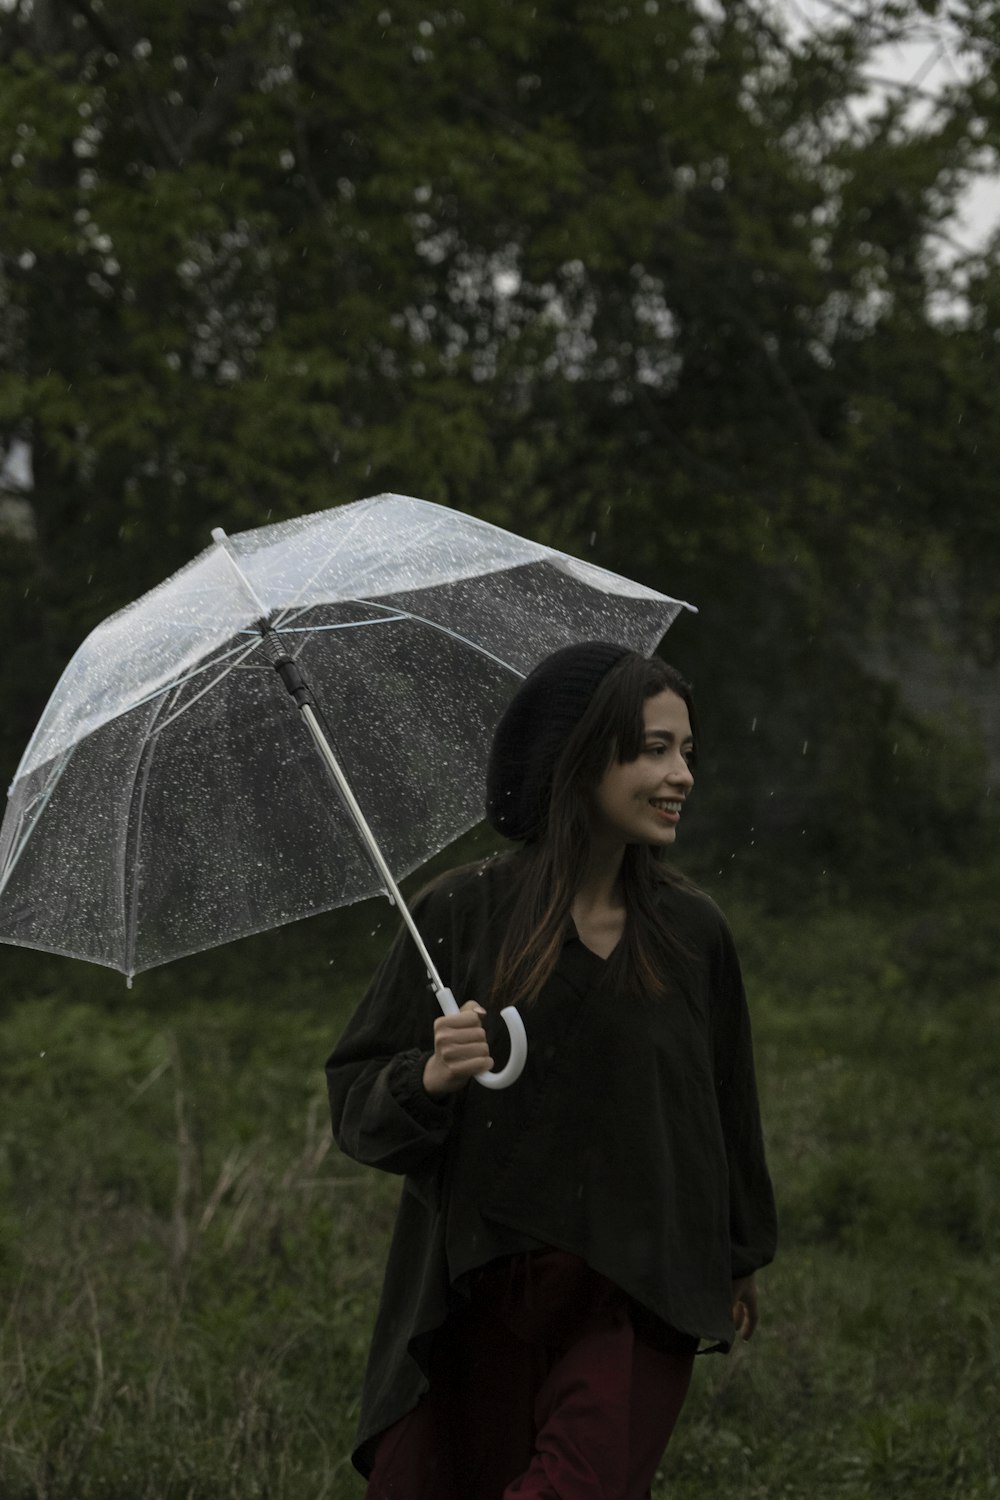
(632, 1139)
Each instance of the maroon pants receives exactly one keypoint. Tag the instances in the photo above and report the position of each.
(543, 1389)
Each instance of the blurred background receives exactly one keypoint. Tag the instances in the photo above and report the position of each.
(706, 293)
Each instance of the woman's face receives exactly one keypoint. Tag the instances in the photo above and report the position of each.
(641, 801)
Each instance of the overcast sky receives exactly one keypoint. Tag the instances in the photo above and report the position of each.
(930, 60)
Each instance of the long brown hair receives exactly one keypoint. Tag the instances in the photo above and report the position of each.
(611, 728)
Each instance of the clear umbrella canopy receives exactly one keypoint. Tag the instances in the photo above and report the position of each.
(169, 799)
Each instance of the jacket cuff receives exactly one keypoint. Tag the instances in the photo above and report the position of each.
(406, 1085)
(747, 1262)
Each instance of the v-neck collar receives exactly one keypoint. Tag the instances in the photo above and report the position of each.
(573, 936)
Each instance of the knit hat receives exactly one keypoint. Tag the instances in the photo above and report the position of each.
(535, 726)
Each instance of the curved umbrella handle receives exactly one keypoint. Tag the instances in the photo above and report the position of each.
(514, 1066)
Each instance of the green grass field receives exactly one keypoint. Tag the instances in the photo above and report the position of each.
(189, 1270)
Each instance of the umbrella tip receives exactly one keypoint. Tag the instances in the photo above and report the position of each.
(218, 535)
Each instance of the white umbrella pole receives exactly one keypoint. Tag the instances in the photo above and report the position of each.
(290, 674)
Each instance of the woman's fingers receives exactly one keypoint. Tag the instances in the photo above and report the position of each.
(460, 1040)
(460, 1050)
(745, 1311)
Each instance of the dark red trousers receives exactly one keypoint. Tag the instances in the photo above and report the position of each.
(543, 1389)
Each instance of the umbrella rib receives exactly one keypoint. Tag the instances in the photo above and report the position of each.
(433, 524)
(454, 635)
(321, 629)
(176, 683)
(172, 686)
(393, 614)
(231, 666)
(40, 802)
(130, 895)
(341, 542)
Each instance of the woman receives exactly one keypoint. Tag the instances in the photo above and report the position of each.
(562, 1247)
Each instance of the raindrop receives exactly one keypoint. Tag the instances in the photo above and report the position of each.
(805, 746)
(41, 1054)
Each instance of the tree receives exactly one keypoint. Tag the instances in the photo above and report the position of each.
(635, 279)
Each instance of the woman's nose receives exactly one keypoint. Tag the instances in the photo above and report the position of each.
(681, 773)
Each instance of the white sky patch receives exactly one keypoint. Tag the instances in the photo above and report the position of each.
(507, 282)
(15, 467)
(929, 61)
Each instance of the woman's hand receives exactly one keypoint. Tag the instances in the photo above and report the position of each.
(745, 1306)
(460, 1051)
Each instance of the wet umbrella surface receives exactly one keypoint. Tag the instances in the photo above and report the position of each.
(170, 800)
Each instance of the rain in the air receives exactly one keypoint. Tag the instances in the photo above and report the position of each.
(499, 557)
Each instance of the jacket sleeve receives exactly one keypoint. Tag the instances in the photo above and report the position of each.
(752, 1215)
(380, 1112)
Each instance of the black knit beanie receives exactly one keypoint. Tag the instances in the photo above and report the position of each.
(534, 729)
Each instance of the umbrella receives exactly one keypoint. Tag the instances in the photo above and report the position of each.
(169, 801)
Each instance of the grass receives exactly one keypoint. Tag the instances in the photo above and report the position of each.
(189, 1271)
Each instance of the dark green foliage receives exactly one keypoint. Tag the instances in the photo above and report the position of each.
(632, 279)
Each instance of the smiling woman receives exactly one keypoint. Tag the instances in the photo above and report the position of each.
(564, 1246)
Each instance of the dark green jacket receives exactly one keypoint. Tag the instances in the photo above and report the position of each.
(632, 1139)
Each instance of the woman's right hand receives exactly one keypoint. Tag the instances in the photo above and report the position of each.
(460, 1051)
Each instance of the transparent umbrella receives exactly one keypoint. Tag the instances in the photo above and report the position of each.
(170, 800)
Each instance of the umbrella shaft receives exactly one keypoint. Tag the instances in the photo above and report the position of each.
(287, 668)
(343, 786)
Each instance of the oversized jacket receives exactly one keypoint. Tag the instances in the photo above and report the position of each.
(632, 1139)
